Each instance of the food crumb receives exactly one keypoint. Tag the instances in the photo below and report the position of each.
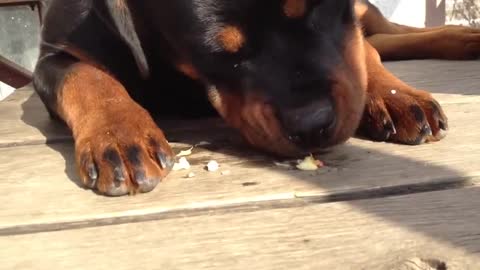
(213, 166)
(393, 91)
(182, 164)
(191, 175)
(185, 153)
(309, 164)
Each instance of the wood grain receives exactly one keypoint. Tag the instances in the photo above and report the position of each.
(13, 74)
(439, 76)
(19, 2)
(375, 205)
(23, 119)
(383, 234)
(39, 182)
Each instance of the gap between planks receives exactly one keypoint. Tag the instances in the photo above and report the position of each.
(288, 201)
(362, 170)
(434, 230)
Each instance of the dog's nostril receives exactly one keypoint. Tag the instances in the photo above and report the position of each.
(295, 138)
(314, 138)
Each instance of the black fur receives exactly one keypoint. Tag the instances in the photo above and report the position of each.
(288, 61)
(284, 59)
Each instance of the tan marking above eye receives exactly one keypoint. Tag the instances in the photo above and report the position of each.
(295, 8)
(231, 38)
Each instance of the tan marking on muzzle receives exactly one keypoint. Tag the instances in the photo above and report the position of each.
(255, 120)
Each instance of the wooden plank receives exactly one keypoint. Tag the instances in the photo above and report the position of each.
(18, 2)
(12, 74)
(437, 229)
(36, 186)
(439, 76)
(25, 121)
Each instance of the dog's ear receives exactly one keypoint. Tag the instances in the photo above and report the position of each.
(123, 21)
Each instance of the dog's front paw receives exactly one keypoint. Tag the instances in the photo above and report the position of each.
(403, 116)
(124, 154)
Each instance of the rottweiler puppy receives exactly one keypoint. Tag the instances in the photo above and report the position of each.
(293, 76)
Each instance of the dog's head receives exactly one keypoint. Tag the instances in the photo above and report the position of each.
(289, 74)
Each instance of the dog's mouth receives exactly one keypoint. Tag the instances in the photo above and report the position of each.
(257, 120)
(295, 130)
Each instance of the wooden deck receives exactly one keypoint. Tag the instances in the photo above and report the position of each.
(376, 205)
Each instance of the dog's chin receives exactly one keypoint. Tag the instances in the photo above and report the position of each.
(278, 146)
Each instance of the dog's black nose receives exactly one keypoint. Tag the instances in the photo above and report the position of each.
(309, 126)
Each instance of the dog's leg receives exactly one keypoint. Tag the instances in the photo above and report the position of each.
(119, 149)
(373, 22)
(395, 111)
(447, 43)
(397, 42)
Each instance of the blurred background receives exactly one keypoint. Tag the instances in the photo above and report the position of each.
(20, 25)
